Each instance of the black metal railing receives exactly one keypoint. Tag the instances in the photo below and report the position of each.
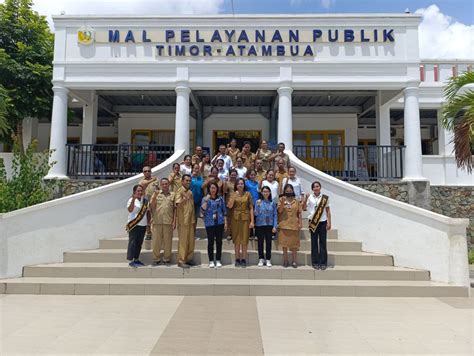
(355, 162)
(108, 161)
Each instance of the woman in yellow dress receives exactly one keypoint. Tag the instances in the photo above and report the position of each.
(242, 221)
(289, 224)
(175, 177)
(233, 151)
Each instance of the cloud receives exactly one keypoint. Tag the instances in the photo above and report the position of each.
(126, 7)
(327, 3)
(441, 37)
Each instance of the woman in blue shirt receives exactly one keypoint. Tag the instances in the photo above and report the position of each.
(265, 225)
(196, 188)
(251, 183)
(214, 212)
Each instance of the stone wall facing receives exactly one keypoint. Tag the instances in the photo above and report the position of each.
(452, 201)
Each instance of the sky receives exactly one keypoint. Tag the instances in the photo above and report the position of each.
(446, 30)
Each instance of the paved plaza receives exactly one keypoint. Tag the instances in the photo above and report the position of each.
(143, 325)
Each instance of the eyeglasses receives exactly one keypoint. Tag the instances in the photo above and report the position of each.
(146, 171)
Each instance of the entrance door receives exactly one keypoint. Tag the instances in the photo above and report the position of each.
(320, 149)
(223, 137)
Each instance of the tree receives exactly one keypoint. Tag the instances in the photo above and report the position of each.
(458, 117)
(26, 55)
(4, 102)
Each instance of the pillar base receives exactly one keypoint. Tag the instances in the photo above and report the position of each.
(419, 193)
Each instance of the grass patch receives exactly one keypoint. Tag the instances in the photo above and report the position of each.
(471, 257)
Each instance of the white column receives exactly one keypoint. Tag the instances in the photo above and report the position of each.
(412, 134)
(89, 120)
(445, 138)
(285, 118)
(382, 122)
(181, 133)
(30, 130)
(58, 137)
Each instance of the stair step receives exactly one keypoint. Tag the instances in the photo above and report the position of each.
(333, 245)
(122, 270)
(340, 258)
(304, 233)
(259, 287)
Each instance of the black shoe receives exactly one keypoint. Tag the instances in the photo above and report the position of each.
(148, 238)
(243, 263)
(139, 263)
(286, 264)
(157, 263)
(183, 265)
(318, 266)
(323, 267)
(132, 264)
(237, 263)
(167, 263)
(314, 265)
(191, 263)
(294, 265)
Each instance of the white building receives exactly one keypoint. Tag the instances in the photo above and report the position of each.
(312, 81)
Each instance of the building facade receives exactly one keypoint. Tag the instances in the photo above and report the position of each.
(326, 85)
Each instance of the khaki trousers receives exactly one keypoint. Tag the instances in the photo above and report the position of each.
(162, 236)
(185, 243)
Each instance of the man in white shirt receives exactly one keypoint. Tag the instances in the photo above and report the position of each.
(319, 254)
(221, 155)
(223, 173)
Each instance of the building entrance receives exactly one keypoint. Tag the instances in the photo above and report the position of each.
(223, 137)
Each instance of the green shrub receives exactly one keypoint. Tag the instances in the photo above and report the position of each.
(471, 257)
(26, 186)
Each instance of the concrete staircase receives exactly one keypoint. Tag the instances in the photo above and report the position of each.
(352, 272)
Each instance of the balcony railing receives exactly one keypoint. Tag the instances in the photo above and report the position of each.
(106, 161)
(355, 162)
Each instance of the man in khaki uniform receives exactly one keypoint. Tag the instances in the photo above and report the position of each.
(148, 185)
(248, 157)
(261, 173)
(184, 203)
(163, 222)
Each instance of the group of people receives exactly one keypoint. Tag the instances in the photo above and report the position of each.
(241, 194)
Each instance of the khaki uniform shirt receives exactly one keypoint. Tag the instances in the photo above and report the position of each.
(185, 212)
(148, 186)
(261, 176)
(175, 183)
(241, 208)
(163, 212)
(248, 159)
(288, 214)
(280, 176)
(264, 156)
(233, 154)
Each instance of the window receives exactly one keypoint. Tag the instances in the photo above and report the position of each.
(160, 137)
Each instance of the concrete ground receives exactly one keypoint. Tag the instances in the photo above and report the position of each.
(143, 325)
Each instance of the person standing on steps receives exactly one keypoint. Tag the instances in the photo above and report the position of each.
(289, 224)
(137, 222)
(215, 220)
(175, 178)
(239, 167)
(295, 182)
(184, 203)
(148, 185)
(280, 174)
(233, 151)
(229, 187)
(265, 225)
(163, 212)
(242, 221)
(205, 165)
(319, 219)
(186, 167)
(280, 154)
(196, 188)
(225, 157)
(264, 154)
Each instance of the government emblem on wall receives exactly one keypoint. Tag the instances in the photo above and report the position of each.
(85, 35)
